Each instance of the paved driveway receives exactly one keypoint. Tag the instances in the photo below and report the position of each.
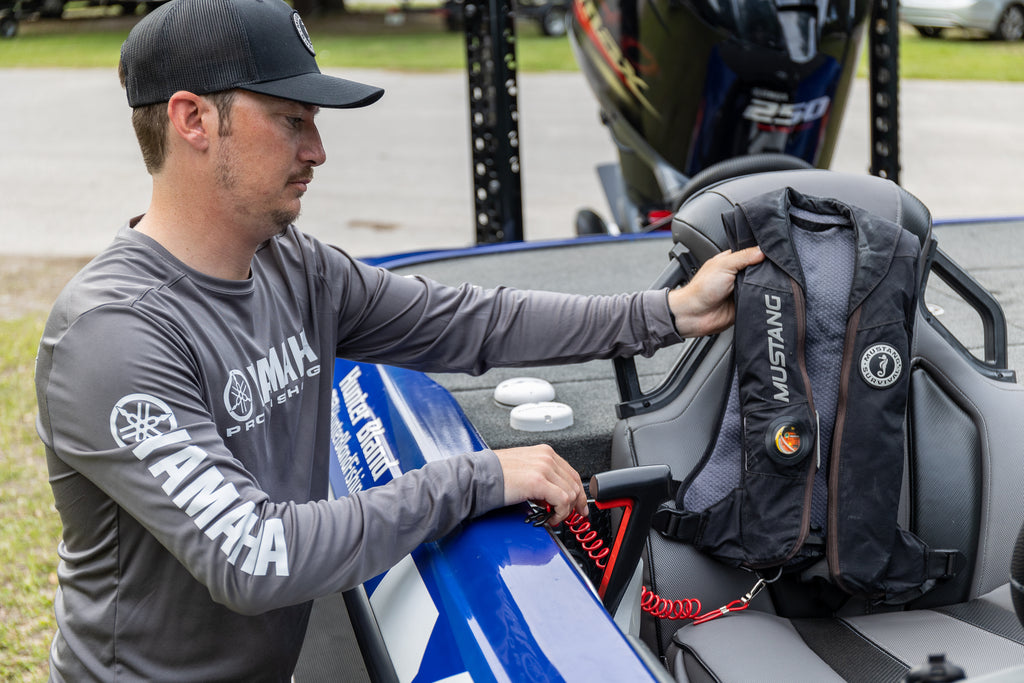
(398, 175)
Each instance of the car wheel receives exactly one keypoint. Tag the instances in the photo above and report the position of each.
(553, 22)
(929, 31)
(8, 27)
(1011, 24)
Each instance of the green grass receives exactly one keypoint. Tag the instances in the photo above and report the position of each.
(961, 59)
(434, 51)
(63, 50)
(31, 527)
(364, 40)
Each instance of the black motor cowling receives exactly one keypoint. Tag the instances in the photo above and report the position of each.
(684, 84)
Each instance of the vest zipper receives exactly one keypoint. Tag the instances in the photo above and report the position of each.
(832, 538)
(801, 332)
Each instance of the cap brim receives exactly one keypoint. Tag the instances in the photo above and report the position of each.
(321, 90)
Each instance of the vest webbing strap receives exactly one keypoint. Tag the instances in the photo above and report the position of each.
(679, 525)
(687, 527)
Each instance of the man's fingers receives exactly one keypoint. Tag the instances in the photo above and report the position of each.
(731, 262)
(745, 257)
(561, 488)
(539, 474)
(564, 501)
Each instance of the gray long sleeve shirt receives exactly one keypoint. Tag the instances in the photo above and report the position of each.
(185, 420)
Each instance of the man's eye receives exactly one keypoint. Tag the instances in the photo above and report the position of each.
(295, 121)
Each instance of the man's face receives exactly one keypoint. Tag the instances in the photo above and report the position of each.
(264, 160)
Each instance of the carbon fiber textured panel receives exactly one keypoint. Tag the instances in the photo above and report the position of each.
(945, 461)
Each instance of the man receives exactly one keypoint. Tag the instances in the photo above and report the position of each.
(196, 530)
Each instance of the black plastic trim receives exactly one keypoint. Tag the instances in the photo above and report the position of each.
(993, 320)
(951, 484)
(378, 662)
(633, 401)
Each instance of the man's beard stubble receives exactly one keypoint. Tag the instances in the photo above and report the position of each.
(278, 219)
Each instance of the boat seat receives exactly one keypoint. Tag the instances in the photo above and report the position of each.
(963, 487)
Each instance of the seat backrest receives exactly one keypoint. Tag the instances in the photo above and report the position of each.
(963, 479)
(699, 220)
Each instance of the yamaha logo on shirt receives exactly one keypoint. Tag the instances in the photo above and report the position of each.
(881, 366)
(272, 379)
(137, 417)
(238, 396)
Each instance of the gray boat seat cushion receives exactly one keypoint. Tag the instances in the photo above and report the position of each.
(982, 637)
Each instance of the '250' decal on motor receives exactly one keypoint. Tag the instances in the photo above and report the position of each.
(786, 114)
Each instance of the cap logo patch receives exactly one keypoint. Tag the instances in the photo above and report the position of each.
(881, 366)
(300, 28)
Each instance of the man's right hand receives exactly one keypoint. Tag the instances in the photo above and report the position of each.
(539, 474)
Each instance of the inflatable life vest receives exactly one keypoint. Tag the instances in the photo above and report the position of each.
(809, 458)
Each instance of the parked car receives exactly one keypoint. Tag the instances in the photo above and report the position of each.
(54, 9)
(998, 19)
(551, 15)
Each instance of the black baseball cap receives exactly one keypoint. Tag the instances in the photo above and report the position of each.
(206, 46)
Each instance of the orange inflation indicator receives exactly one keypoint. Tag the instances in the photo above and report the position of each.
(787, 439)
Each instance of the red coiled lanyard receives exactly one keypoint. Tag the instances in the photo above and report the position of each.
(650, 602)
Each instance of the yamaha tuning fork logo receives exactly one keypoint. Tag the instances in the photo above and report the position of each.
(881, 366)
(137, 417)
(238, 396)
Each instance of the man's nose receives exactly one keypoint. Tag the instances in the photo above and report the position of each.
(313, 150)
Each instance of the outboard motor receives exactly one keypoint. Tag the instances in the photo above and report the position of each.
(695, 91)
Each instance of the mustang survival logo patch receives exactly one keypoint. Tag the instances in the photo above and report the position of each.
(881, 366)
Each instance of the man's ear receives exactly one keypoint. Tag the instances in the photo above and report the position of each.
(192, 118)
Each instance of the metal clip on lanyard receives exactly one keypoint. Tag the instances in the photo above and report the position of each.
(738, 605)
(538, 515)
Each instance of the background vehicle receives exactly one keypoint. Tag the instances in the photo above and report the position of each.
(998, 19)
(1001, 19)
(55, 8)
